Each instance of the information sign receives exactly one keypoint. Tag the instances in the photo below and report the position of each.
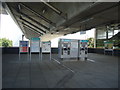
(46, 47)
(35, 45)
(23, 46)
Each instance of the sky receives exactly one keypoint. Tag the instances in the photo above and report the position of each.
(11, 31)
(89, 33)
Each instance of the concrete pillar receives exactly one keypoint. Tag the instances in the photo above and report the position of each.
(106, 32)
(113, 31)
(22, 37)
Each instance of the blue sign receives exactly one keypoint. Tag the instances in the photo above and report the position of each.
(35, 38)
(83, 40)
(66, 40)
(24, 43)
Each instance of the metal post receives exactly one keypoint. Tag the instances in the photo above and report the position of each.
(19, 54)
(50, 50)
(39, 49)
(78, 51)
(28, 54)
(95, 38)
(19, 50)
(30, 51)
(86, 54)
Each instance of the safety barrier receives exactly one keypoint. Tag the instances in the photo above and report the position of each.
(15, 50)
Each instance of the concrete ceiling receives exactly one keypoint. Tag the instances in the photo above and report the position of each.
(53, 19)
(2, 10)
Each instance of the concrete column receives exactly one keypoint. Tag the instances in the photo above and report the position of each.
(106, 32)
(113, 31)
(22, 37)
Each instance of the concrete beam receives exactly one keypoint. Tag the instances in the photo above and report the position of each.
(32, 25)
(32, 29)
(56, 10)
(37, 14)
(24, 15)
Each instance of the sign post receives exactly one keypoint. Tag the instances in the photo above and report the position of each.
(35, 46)
(46, 48)
(23, 47)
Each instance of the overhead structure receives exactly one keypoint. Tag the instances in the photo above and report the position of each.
(56, 10)
(49, 20)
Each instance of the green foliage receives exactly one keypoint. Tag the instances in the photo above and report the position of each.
(91, 42)
(5, 42)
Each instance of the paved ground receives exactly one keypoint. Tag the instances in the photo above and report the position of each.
(99, 71)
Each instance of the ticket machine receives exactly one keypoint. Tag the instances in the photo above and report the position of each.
(64, 48)
(74, 48)
(83, 49)
(68, 48)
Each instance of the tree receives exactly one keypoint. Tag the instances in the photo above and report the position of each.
(91, 42)
(5, 42)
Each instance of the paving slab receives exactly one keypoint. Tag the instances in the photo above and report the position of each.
(100, 71)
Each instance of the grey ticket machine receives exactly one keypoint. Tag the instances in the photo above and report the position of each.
(74, 48)
(68, 48)
(83, 49)
(64, 48)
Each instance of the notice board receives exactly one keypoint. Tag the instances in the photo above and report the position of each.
(46, 47)
(35, 45)
(23, 46)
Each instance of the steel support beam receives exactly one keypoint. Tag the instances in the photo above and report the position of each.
(32, 25)
(32, 29)
(24, 15)
(37, 14)
(63, 15)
